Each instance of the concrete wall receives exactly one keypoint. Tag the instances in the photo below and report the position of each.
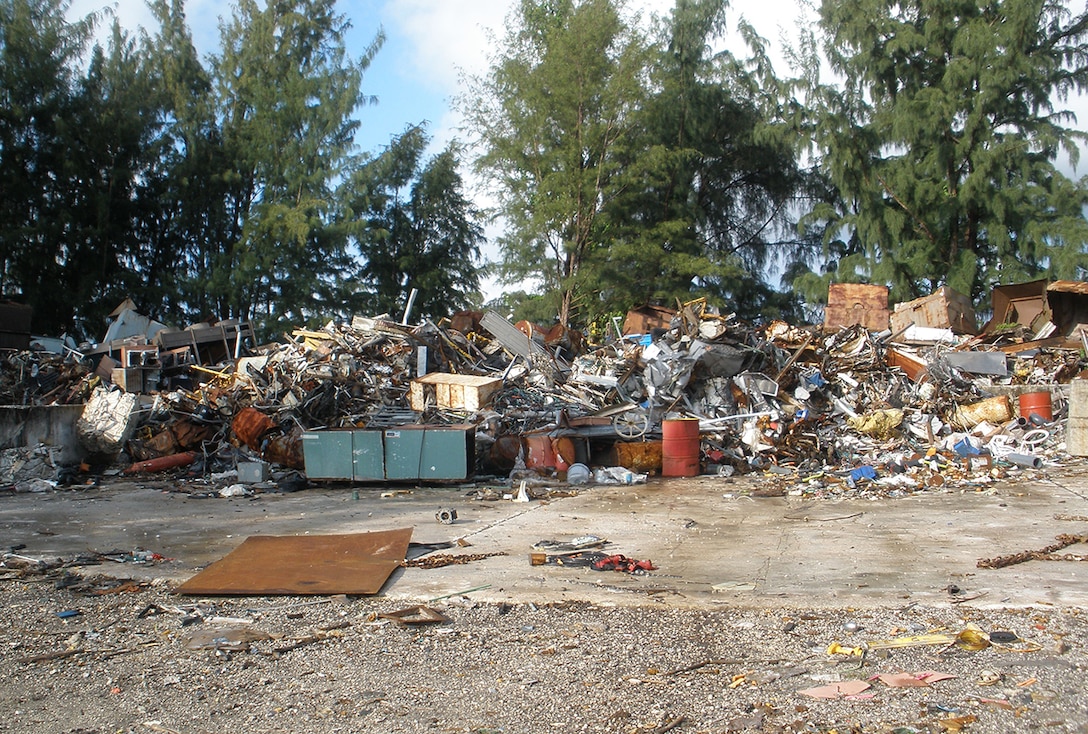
(30, 425)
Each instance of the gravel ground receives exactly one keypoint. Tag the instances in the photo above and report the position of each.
(150, 661)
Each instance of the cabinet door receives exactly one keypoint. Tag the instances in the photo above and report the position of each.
(327, 454)
(402, 452)
(448, 453)
(368, 456)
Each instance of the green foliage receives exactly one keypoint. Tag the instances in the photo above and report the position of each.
(703, 200)
(550, 116)
(41, 106)
(285, 93)
(631, 171)
(942, 141)
(416, 229)
(200, 192)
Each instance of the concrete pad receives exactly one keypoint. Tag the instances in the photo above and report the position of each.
(711, 544)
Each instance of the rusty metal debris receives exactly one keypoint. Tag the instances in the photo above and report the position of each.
(441, 560)
(1046, 553)
(830, 409)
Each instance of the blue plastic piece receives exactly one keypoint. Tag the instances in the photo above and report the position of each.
(863, 472)
(966, 448)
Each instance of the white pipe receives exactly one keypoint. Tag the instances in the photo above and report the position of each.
(408, 306)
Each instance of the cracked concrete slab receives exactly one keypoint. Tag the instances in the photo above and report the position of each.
(711, 542)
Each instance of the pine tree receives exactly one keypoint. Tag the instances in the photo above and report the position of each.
(944, 140)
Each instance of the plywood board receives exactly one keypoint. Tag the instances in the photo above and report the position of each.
(358, 563)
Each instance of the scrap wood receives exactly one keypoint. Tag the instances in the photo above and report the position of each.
(418, 614)
(669, 725)
(1047, 553)
(957, 723)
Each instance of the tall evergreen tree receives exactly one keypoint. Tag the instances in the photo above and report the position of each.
(286, 95)
(943, 140)
(187, 230)
(117, 154)
(704, 200)
(417, 229)
(550, 115)
(40, 95)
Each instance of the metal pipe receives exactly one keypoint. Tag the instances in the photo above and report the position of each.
(408, 307)
(1025, 460)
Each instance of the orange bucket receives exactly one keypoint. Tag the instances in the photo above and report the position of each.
(680, 447)
(1036, 403)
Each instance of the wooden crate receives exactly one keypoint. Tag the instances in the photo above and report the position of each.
(455, 392)
(942, 309)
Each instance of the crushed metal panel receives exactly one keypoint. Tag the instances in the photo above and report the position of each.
(1019, 303)
(357, 563)
(645, 319)
(851, 304)
(942, 309)
(979, 363)
(1068, 304)
(108, 421)
(512, 338)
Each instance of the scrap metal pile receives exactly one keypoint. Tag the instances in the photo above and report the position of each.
(822, 409)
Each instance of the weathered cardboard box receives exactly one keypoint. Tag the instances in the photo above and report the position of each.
(456, 392)
(850, 304)
(942, 309)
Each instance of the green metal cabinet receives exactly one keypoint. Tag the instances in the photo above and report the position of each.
(448, 452)
(327, 454)
(397, 454)
(367, 456)
(403, 447)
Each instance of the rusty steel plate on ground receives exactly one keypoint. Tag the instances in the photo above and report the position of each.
(356, 563)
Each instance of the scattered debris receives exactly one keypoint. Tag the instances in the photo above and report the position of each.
(442, 560)
(869, 402)
(416, 615)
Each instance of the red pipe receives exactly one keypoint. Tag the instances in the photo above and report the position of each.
(162, 463)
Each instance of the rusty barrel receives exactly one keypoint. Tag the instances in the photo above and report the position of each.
(680, 447)
(1036, 403)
